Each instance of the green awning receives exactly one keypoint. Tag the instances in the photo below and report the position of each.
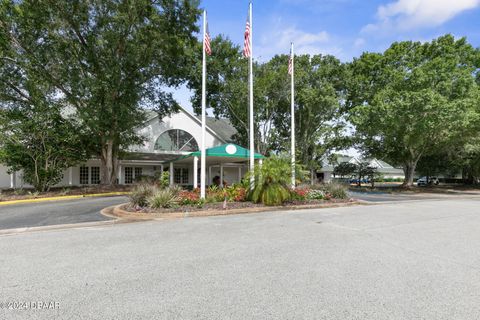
(225, 153)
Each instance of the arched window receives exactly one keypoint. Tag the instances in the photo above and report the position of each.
(176, 140)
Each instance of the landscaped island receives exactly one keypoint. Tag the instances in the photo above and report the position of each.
(271, 188)
(146, 198)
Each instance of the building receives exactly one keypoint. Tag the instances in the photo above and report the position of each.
(325, 174)
(169, 145)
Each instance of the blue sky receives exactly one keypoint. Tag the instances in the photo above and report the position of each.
(344, 28)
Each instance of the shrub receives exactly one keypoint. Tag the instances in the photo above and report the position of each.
(316, 194)
(273, 194)
(188, 197)
(20, 192)
(236, 193)
(140, 193)
(65, 191)
(333, 190)
(272, 181)
(163, 179)
(144, 179)
(215, 194)
(162, 198)
(299, 193)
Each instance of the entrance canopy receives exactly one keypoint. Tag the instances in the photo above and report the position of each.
(226, 153)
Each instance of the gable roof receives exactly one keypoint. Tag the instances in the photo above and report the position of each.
(221, 128)
(382, 166)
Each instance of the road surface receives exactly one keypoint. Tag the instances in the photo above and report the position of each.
(408, 260)
(56, 212)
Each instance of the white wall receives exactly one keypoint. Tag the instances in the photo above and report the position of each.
(154, 128)
(327, 176)
(4, 178)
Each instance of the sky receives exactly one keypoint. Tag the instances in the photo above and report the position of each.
(343, 28)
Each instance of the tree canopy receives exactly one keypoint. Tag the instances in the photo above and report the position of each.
(319, 83)
(414, 99)
(93, 68)
(39, 141)
(106, 59)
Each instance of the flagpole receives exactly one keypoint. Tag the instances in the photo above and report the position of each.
(252, 144)
(204, 103)
(292, 100)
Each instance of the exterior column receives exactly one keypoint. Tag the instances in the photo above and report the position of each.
(13, 180)
(239, 174)
(221, 175)
(209, 175)
(120, 174)
(195, 172)
(171, 173)
(70, 176)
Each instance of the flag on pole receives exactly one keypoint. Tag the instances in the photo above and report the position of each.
(248, 52)
(291, 72)
(290, 63)
(246, 43)
(205, 50)
(207, 39)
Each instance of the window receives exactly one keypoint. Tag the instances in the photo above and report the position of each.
(95, 175)
(138, 173)
(180, 175)
(128, 175)
(176, 140)
(198, 177)
(83, 175)
(185, 175)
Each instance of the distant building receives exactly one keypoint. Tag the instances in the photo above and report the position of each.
(325, 174)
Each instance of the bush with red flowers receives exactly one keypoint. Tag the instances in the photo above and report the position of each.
(188, 197)
(299, 193)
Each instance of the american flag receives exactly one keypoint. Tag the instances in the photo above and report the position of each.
(290, 64)
(246, 44)
(208, 48)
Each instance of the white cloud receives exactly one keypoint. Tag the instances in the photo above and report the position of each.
(410, 14)
(359, 42)
(278, 38)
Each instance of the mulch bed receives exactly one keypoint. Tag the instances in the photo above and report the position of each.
(219, 206)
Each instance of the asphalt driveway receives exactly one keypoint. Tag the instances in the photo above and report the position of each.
(406, 260)
(398, 196)
(56, 212)
(88, 209)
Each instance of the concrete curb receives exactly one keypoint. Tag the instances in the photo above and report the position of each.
(60, 198)
(57, 227)
(122, 214)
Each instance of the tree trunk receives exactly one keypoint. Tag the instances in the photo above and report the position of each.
(312, 176)
(109, 163)
(409, 170)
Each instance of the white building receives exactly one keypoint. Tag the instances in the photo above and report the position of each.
(167, 139)
(325, 174)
